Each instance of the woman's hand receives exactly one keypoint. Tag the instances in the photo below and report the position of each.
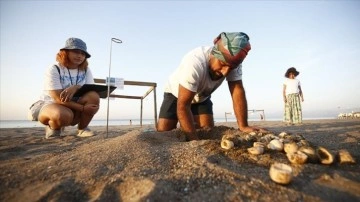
(67, 94)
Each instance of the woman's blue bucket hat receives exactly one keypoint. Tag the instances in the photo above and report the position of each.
(75, 43)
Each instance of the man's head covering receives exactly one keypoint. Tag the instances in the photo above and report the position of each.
(231, 47)
(291, 70)
(75, 43)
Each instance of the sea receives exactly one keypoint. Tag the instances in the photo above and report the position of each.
(116, 122)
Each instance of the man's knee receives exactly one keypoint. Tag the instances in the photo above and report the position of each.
(204, 120)
(166, 125)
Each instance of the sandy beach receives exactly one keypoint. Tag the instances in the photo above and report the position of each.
(139, 164)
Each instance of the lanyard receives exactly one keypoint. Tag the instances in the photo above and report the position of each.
(77, 76)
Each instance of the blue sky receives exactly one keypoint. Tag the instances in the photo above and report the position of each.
(319, 38)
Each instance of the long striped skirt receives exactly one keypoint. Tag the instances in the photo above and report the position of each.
(292, 112)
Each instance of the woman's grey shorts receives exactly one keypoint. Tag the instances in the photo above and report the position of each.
(35, 109)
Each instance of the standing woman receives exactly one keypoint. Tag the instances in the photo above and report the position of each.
(62, 80)
(292, 93)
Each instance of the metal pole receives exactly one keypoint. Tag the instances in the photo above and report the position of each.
(155, 108)
(264, 114)
(108, 91)
(141, 111)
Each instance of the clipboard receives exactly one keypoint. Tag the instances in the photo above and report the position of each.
(100, 89)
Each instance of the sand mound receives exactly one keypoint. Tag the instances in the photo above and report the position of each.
(139, 164)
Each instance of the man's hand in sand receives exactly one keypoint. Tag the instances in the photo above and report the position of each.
(192, 136)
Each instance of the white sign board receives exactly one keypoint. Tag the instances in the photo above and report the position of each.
(118, 82)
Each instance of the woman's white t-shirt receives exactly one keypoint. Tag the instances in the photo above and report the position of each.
(292, 86)
(67, 77)
(193, 74)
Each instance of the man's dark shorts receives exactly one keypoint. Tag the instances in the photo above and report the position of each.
(169, 107)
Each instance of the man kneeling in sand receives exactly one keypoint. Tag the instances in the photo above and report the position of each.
(201, 71)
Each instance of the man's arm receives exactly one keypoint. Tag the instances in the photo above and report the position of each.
(184, 114)
(240, 105)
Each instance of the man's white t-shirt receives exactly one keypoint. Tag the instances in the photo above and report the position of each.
(193, 74)
(292, 86)
(67, 77)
